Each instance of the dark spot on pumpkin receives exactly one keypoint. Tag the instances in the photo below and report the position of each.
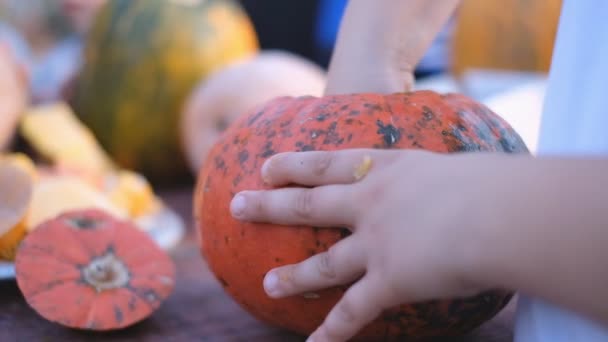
(478, 306)
(344, 107)
(131, 305)
(254, 118)
(83, 223)
(427, 120)
(372, 106)
(322, 117)
(225, 147)
(344, 233)
(220, 164)
(278, 260)
(492, 130)
(457, 142)
(354, 112)
(55, 283)
(307, 148)
(482, 133)
(243, 156)
(302, 130)
(512, 143)
(349, 121)
(332, 136)
(149, 295)
(267, 150)
(236, 140)
(299, 144)
(427, 113)
(349, 137)
(237, 180)
(226, 240)
(271, 134)
(111, 249)
(285, 123)
(118, 314)
(242, 233)
(222, 281)
(390, 134)
(410, 136)
(312, 252)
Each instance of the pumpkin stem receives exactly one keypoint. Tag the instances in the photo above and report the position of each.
(106, 272)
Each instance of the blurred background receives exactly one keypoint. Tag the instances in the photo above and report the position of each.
(132, 60)
(115, 104)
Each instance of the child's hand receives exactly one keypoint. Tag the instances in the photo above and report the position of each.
(413, 214)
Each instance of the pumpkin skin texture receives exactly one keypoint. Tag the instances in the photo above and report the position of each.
(141, 61)
(86, 269)
(240, 253)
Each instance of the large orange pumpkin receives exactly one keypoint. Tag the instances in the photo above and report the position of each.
(240, 254)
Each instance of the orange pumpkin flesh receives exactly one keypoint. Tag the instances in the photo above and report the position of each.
(85, 269)
(241, 253)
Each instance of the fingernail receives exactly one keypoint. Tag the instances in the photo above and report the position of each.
(264, 171)
(238, 205)
(271, 284)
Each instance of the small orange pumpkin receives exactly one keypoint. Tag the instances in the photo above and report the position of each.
(88, 270)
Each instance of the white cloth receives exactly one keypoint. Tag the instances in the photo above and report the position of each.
(574, 123)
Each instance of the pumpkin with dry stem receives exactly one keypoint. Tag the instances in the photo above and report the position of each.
(88, 270)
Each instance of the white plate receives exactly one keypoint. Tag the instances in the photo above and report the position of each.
(164, 227)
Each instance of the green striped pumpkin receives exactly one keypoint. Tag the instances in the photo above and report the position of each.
(141, 61)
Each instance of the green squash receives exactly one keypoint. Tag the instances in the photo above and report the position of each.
(141, 61)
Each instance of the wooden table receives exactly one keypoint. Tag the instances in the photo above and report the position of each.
(198, 310)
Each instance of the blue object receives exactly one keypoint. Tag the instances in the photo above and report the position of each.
(330, 14)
